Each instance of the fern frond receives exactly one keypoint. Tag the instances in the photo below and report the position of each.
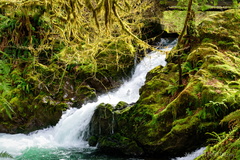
(5, 155)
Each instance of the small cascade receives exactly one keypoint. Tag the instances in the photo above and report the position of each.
(72, 129)
(191, 156)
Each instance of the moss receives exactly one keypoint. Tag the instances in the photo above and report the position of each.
(120, 145)
(200, 53)
(125, 108)
(93, 140)
(49, 70)
(155, 89)
(171, 122)
(153, 72)
(224, 36)
(232, 119)
(62, 106)
(225, 149)
(121, 105)
(225, 71)
(85, 92)
(158, 122)
(103, 121)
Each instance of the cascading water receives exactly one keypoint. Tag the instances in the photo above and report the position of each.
(191, 156)
(66, 139)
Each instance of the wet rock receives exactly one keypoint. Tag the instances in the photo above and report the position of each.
(169, 121)
(102, 122)
(116, 144)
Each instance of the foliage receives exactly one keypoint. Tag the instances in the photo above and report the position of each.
(5, 87)
(216, 137)
(198, 108)
(233, 119)
(189, 35)
(226, 148)
(215, 109)
(51, 49)
(47, 24)
(5, 155)
(189, 112)
(172, 88)
(188, 68)
(6, 24)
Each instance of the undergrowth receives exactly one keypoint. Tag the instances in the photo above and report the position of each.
(53, 47)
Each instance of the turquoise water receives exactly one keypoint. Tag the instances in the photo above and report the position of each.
(58, 153)
(88, 154)
(85, 154)
(66, 154)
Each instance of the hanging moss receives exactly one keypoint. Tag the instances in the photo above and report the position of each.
(55, 53)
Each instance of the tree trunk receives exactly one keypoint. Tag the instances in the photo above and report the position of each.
(180, 42)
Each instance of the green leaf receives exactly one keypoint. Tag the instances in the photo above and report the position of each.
(6, 106)
(5, 155)
(5, 86)
(4, 68)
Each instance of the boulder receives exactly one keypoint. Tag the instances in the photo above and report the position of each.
(170, 121)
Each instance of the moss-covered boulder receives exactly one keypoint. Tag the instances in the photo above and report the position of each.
(103, 127)
(102, 122)
(225, 145)
(170, 120)
(222, 30)
(116, 144)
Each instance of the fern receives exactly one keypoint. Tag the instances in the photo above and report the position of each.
(216, 137)
(6, 24)
(5, 105)
(171, 89)
(215, 109)
(4, 68)
(188, 68)
(5, 155)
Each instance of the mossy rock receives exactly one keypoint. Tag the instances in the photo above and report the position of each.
(93, 140)
(168, 120)
(121, 105)
(222, 29)
(225, 146)
(119, 145)
(102, 122)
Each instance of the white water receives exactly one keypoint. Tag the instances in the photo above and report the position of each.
(191, 156)
(73, 125)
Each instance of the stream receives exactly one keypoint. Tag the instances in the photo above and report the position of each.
(66, 140)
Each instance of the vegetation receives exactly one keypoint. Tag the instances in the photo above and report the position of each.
(54, 52)
(59, 52)
(225, 145)
(5, 155)
(169, 121)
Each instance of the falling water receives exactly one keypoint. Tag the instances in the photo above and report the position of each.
(191, 156)
(66, 139)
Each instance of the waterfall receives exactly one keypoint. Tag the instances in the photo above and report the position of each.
(191, 156)
(71, 129)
